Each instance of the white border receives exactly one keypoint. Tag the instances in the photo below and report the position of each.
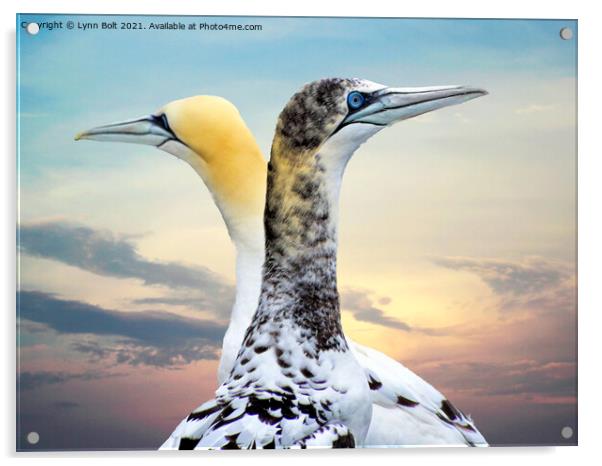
(590, 231)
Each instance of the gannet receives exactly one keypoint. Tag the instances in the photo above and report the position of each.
(406, 410)
(208, 133)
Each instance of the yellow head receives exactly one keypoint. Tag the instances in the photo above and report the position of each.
(210, 135)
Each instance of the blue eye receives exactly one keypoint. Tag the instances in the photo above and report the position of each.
(355, 100)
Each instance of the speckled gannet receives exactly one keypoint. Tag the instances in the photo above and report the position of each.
(407, 410)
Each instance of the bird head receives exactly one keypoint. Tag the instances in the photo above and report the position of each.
(337, 115)
(209, 134)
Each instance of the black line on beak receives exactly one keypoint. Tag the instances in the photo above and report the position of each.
(411, 104)
(162, 121)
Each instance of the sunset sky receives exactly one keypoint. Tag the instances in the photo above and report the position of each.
(457, 232)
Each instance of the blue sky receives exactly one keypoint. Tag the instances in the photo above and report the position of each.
(70, 75)
(479, 244)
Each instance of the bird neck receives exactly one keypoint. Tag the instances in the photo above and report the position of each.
(248, 282)
(246, 232)
(234, 172)
(248, 286)
(299, 281)
(301, 215)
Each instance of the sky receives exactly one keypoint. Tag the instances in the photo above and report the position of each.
(457, 234)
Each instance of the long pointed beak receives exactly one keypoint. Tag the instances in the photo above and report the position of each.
(150, 130)
(391, 104)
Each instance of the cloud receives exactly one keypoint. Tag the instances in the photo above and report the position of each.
(30, 380)
(135, 354)
(192, 301)
(530, 379)
(533, 283)
(515, 372)
(513, 402)
(104, 253)
(534, 108)
(65, 405)
(150, 337)
(360, 304)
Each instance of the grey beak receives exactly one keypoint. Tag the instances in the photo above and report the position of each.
(150, 130)
(391, 105)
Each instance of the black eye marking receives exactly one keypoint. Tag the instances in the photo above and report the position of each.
(165, 122)
(161, 121)
(368, 98)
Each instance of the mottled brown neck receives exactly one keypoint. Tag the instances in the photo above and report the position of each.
(299, 273)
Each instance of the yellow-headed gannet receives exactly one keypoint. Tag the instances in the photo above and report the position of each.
(209, 134)
(406, 409)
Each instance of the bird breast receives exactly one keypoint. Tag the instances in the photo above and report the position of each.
(324, 385)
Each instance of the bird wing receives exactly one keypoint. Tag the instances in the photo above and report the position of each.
(256, 421)
(407, 409)
(188, 432)
(225, 426)
(333, 435)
